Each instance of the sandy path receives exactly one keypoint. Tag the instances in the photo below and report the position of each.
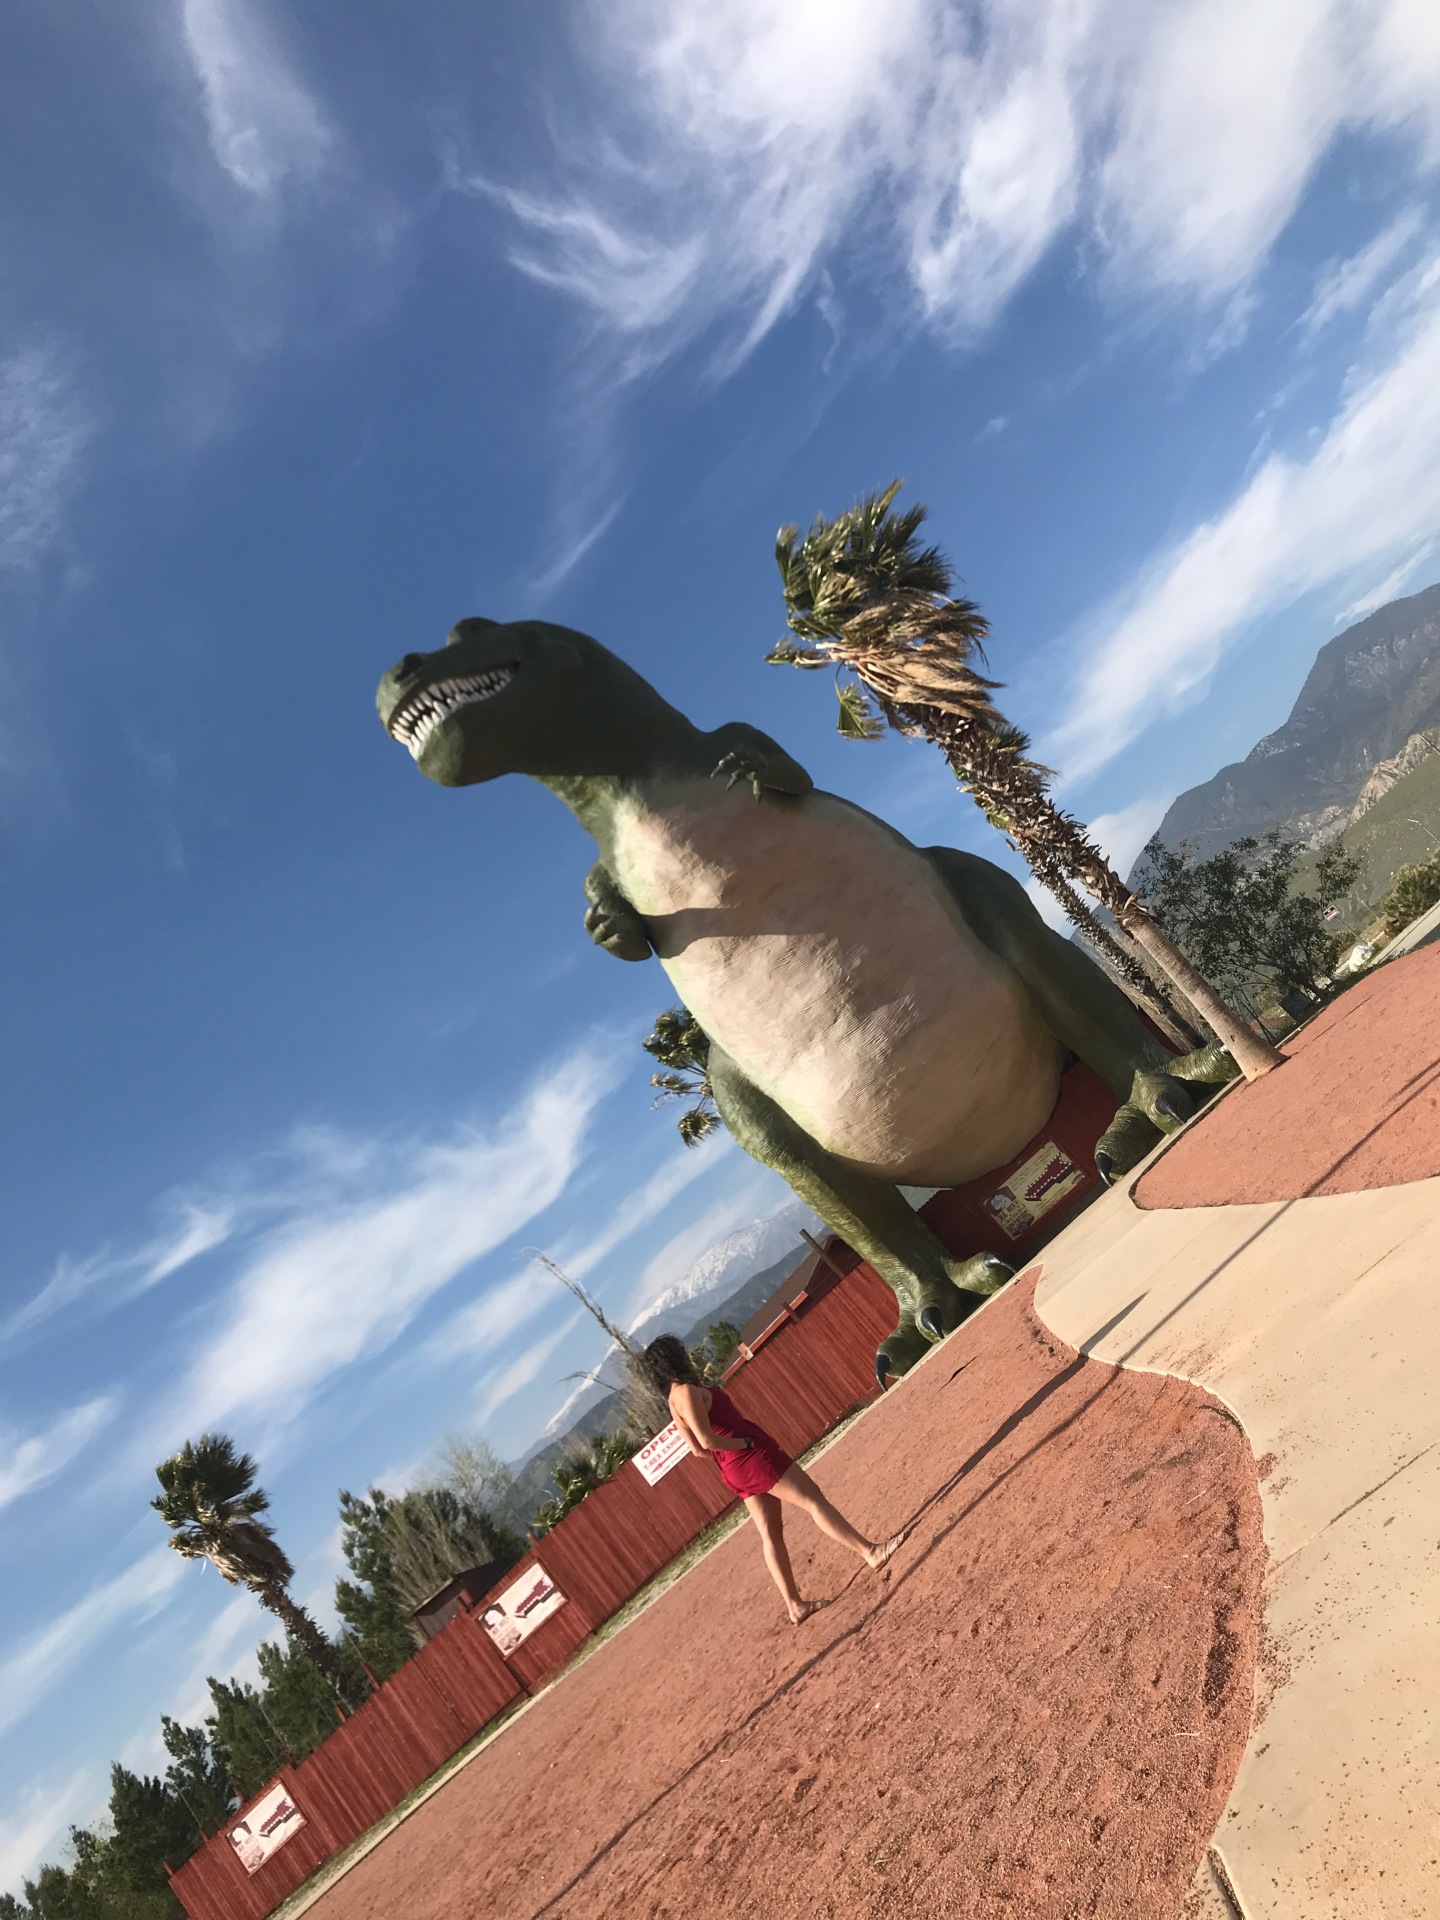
(1038, 1711)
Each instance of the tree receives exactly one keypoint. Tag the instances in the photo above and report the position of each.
(714, 1353)
(251, 1749)
(369, 1604)
(433, 1534)
(646, 1408)
(1240, 918)
(471, 1468)
(196, 1775)
(589, 1462)
(682, 1048)
(295, 1698)
(1413, 891)
(149, 1826)
(210, 1503)
(865, 600)
(1112, 947)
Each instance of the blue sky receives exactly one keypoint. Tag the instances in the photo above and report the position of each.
(322, 328)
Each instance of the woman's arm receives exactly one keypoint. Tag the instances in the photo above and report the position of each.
(686, 1432)
(691, 1407)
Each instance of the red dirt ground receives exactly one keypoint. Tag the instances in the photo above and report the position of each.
(1038, 1709)
(1356, 1105)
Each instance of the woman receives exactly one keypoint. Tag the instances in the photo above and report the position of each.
(756, 1467)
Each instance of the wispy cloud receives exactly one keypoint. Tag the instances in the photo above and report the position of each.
(1122, 833)
(47, 1811)
(523, 1370)
(1367, 493)
(1347, 284)
(31, 1669)
(44, 428)
(734, 153)
(339, 1283)
(266, 131)
(195, 1229)
(29, 1461)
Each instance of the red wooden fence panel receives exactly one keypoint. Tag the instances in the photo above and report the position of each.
(813, 1371)
(626, 1531)
(959, 1215)
(551, 1644)
(455, 1685)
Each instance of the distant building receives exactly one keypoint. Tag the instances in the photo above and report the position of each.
(461, 1590)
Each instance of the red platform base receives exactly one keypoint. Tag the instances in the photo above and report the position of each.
(1016, 1209)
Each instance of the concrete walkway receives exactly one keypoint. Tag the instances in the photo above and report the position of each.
(1317, 1322)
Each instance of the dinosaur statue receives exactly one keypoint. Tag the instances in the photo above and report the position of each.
(880, 1015)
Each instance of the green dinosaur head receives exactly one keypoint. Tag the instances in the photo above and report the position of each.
(486, 702)
(523, 697)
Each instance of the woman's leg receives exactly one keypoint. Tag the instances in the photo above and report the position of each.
(796, 1486)
(766, 1513)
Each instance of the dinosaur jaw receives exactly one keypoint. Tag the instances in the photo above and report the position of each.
(422, 713)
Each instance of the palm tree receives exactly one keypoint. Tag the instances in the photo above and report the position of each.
(680, 1044)
(210, 1503)
(862, 597)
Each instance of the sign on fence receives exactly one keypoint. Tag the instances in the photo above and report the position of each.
(657, 1456)
(267, 1825)
(513, 1615)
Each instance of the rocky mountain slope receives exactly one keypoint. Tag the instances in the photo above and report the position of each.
(1371, 690)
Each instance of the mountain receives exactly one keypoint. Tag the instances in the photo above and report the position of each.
(1371, 689)
(724, 1267)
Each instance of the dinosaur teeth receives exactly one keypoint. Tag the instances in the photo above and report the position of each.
(413, 724)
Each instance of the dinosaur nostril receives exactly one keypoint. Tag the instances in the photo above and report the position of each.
(409, 664)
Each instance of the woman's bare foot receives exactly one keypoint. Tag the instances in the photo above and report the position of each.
(802, 1611)
(881, 1552)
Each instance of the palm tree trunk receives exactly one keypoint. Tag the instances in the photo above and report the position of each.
(1044, 832)
(305, 1632)
(1130, 976)
(1252, 1054)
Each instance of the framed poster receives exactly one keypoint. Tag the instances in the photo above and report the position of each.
(1047, 1177)
(265, 1828)
(514, 1614)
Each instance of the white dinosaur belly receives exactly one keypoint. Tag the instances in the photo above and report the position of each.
(821, 952)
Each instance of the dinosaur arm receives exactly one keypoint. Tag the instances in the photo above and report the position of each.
(744, 753)
(610, 920)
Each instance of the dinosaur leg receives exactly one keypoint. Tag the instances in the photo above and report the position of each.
(935, 1290)
(1086, 1012)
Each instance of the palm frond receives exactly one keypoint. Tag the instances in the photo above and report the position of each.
(859, 718)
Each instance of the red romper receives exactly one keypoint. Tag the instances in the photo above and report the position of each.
(745, 1473)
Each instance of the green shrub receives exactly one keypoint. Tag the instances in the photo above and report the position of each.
(1414, 891)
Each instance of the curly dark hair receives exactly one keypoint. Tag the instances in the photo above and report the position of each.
(669, 1364)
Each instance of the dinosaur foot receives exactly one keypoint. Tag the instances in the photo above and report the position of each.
(1160, 1103)
(940, 1309)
